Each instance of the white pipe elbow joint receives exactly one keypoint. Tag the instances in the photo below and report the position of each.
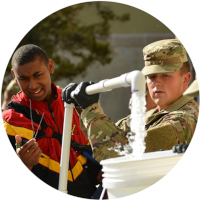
(138, 82)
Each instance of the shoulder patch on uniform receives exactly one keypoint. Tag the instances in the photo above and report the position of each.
(178, 126)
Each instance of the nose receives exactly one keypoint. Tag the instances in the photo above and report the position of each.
(157, 81)
(32, 84)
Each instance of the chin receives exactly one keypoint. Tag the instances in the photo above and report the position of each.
(38, 99)
(157, 101)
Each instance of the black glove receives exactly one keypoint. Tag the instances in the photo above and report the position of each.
(66, 93)
(180, 148)
(82, 98)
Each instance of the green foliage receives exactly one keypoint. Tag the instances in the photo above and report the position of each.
(71, 45)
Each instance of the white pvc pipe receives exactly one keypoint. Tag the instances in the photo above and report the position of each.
(65, 151)
(135, 79)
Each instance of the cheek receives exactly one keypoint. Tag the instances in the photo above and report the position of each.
(174, 87)
(22, 85)
(46, 82)
(150, 90)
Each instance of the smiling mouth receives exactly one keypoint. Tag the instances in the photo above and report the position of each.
(37, 91)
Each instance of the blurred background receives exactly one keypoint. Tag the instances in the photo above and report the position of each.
(94, 41)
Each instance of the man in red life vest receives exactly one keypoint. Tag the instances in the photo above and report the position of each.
(39, 109)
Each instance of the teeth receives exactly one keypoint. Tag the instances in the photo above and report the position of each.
(37, 91)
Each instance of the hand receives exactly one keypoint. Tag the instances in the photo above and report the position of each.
(100, 176)
(82, 98)
(66, 93)
(180, 148)
(29, 153)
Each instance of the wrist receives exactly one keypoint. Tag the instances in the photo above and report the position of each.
(29, 167)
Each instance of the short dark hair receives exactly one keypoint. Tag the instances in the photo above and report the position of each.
(28, 53)
(185, 68)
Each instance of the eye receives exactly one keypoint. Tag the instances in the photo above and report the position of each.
(22, 78)
(166, 75)
(151, 77)
(37, 75)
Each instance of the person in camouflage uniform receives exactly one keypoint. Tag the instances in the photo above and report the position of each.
(192, 91)
(172, 122)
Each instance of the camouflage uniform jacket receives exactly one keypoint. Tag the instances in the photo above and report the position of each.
(166, 128)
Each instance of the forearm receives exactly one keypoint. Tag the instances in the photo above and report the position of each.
(102, 133)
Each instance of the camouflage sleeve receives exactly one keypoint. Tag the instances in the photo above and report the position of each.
(101, 132)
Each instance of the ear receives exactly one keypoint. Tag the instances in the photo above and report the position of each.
(51, 66)
(186, 80)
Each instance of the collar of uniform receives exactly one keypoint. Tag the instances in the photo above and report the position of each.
(179, 103)
(152, 114)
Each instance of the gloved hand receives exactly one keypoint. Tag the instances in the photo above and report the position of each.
(82, 98)
(180, 148)
(66, 93)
